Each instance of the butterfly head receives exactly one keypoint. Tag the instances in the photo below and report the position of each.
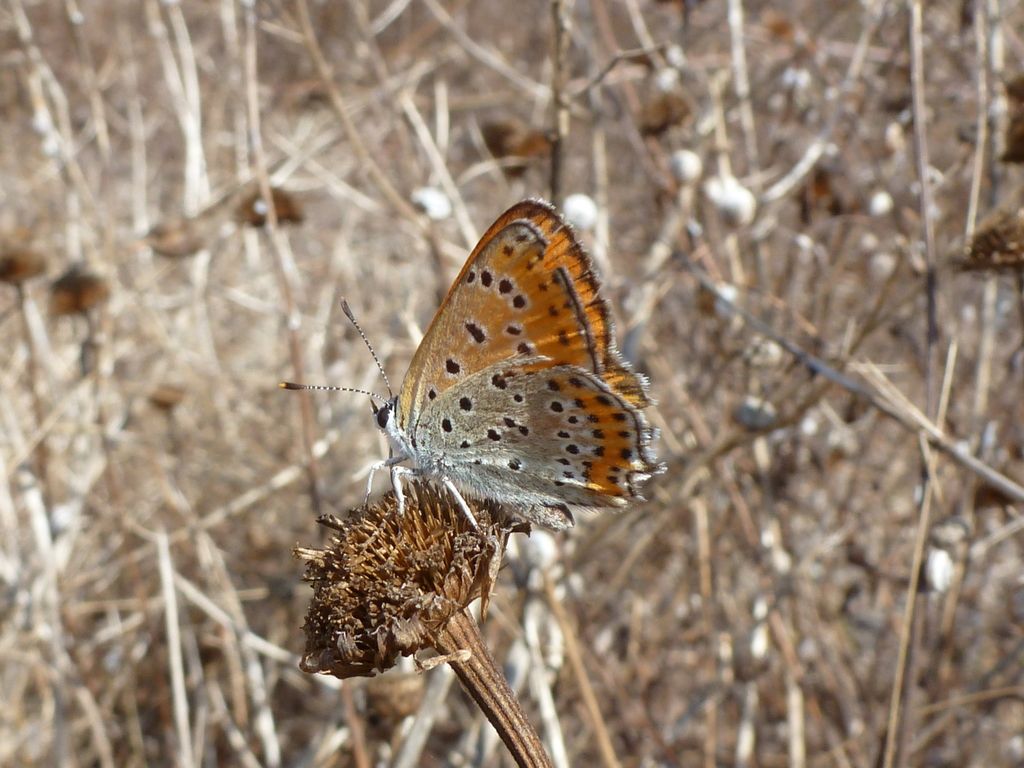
(387, 421)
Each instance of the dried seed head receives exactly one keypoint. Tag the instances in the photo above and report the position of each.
(997, 245)
(77, 291)
(515, 140)
(304, 94)
(778, 26)
(18, 264)
(176, 238)
(661, 111)
(387, 583)
(253, 209)
(166, 396)
(820, 194)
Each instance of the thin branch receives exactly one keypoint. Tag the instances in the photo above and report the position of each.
(182, 720)
(907, 625)
(604, 743)
(903, 413)
(925, 202)
(286, 269)
(560, 12)
(366, 161)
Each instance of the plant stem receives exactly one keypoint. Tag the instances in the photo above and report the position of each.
(484, 682)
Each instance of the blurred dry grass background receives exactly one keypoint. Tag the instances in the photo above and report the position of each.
(153, 479)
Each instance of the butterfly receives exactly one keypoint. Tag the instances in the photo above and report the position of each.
(517, 392)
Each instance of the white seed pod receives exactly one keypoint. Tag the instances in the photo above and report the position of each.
(796, 78)
(666, 79)
(938, 569)
(763, 352)
(676, 56)
(581, 211)
(809, 425)
(686, 166)
(895, 138)
(881, 266)
(880, 203)
(735, 203)
(725, 302)
(433, 202)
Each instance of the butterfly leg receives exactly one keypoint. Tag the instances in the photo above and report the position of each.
(461, 502)
(369, 480)
(384, 464)
(396, 483)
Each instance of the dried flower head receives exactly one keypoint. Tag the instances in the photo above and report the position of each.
(388, 583)
(304, 94)
(18, 264)
(820, 194)
(514, 142)
(998, 243)
(77, 291)
(176, 238)
(661, 111)
(778, 25)
(166, 396)
(253, 208)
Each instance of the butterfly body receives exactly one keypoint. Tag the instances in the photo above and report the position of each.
(517, 392)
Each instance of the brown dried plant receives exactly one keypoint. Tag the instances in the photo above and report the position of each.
(392, 584)
(20, 263)
(998, 245)
(252, 210)
(515, 144)
(77, 291)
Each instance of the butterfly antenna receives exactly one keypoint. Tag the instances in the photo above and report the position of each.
(329, 388)
(352, 319)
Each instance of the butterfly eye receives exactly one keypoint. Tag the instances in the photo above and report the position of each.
(384, 415)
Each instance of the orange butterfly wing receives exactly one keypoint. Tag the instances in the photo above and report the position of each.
(528, 289)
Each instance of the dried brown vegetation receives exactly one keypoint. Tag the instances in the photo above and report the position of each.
(838, 584)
